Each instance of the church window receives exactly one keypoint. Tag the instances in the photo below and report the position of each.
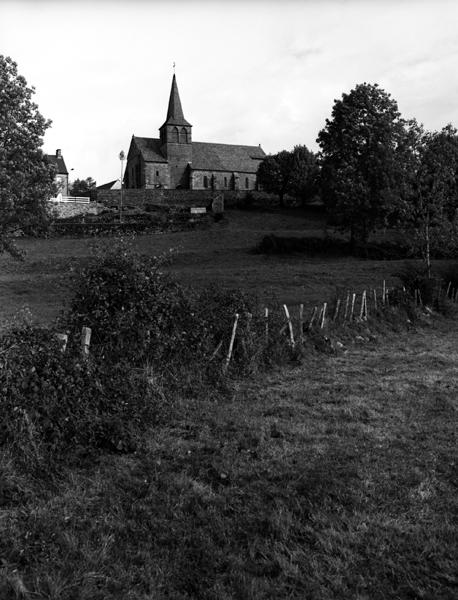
(157, 173)
(175, 134)
(225, 182)
(205, 181)
(247, 183)
(183, 135)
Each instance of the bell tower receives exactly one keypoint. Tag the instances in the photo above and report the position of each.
(176, 140)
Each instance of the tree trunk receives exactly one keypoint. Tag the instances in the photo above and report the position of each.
(427, 249)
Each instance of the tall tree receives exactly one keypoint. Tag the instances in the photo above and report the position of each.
(428, 206)
(82, 187)
(305, 175)
(359, 159)
(289, 172)
(26, 180)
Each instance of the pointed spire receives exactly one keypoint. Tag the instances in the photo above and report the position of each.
(175, 112)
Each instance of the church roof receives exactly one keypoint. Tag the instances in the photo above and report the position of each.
(207, 156)
(150, 149)
(175, 112)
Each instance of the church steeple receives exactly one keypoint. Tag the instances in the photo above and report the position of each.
(176, 140)
(175, 112)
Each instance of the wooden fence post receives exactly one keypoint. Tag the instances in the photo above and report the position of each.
(384, 293)
(347, 302)
(85, 340)
(353, 299)
(290, 325)
(323, 316)
(63, 338)
(266, 316)
(312, 318)
(363, 300)
(301, 323)
(336, 312)
(420, 299)
(375, 299)
(231, 344)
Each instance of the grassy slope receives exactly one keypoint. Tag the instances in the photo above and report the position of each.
(220, 254)
(334, 479)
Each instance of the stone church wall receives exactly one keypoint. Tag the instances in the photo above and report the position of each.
(224, 180)
(156, 174)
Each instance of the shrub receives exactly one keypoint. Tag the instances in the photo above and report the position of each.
(327, 246)
(139, 315)
(414, 276)
(55, 401)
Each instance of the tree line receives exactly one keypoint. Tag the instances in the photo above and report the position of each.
(375, 169)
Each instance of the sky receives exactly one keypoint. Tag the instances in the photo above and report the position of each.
(248, 72)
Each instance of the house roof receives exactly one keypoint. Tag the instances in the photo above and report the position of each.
(58, 162)
(111, 185)
(175, 112)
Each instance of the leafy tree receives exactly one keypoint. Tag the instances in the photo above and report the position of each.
(361, 172)
(82, 187)
(305, 175)
(427, 209)
(26, 180)
(289, 172)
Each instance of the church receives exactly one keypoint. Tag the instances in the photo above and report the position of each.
(175, 161)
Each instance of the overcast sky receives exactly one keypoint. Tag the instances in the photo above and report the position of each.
(249, 72)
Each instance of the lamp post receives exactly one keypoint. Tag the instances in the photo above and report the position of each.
(122, 157)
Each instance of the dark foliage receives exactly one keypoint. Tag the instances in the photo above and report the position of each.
(134, 221)
(317, 246)
(52, 402)
(141, 315)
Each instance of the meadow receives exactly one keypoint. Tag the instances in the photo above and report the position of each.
(221, 255)
(333, 477)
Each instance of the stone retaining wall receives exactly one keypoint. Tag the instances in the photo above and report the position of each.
(63, 210)
(164, 197)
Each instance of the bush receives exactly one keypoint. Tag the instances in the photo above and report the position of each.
(52, 401)
(414, 276)
(326, 246)
(139, 315)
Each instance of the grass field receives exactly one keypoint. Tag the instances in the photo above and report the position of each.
(333, 479)
(221, 254)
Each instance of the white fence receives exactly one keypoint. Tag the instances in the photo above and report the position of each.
(74, 199)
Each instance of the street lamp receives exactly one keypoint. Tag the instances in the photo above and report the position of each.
(122, 157)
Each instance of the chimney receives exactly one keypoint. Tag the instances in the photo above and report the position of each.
(59, 153)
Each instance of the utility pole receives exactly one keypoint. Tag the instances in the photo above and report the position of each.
(122, 157)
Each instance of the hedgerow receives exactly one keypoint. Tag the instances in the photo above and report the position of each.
(153, 341)
(52, 401)
(138, 314)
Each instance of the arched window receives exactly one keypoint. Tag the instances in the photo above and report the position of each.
(225, 182)
(183, 136)
(205, 181)
(175, 135)
(247, 183)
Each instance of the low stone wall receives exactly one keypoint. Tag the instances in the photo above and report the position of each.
(163, 197)
(63, 210)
